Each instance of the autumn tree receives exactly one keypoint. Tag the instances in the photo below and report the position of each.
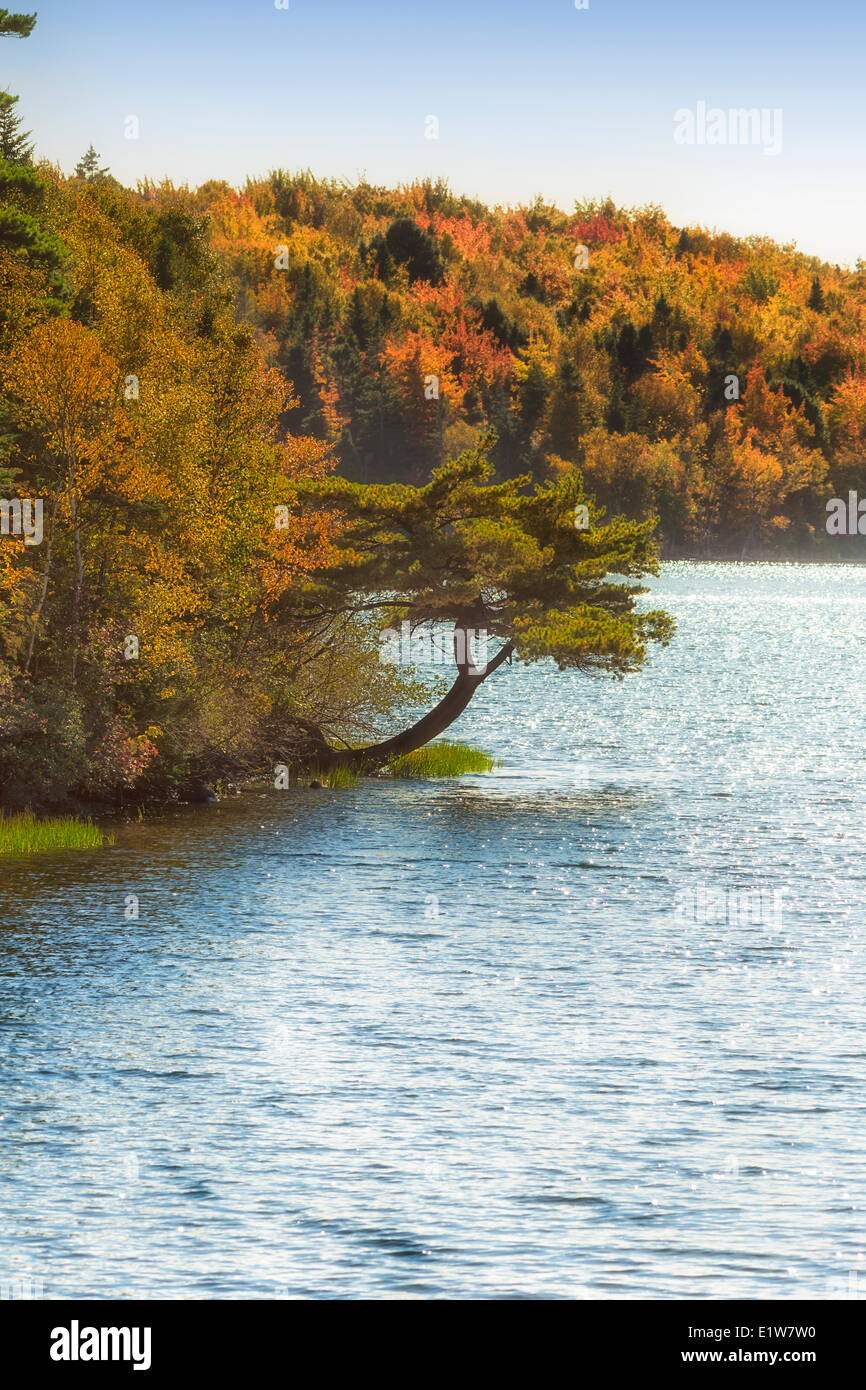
(149, 639)
(653, 333)
(68, 390)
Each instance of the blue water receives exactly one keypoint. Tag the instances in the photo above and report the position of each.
(543, 1032)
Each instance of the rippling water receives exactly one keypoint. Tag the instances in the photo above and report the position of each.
(590, 1026)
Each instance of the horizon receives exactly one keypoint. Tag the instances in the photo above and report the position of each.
(570, 105)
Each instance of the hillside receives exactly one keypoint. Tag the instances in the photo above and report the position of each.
(716, 382)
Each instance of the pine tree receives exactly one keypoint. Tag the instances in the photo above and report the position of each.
(88, 167)
(14, 142)
(816, 296)
(21, 186)
(21, 25)
(502, 558)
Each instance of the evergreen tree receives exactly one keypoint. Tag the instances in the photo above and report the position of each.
(644, 345)
(816, 296)
(661, 309)
(406, 243)
(502, 558)
(21, 187)
(20, 25)
(500, 325)
(572, 412)
(14, 142)
(88, 167)
(627, 352)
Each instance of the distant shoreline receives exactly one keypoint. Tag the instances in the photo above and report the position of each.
(760, 560)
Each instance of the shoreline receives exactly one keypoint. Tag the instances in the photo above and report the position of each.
(761, 560)
(434, 761)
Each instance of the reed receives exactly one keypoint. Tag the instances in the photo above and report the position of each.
(25, 833)
(337, 777)
(442, 760)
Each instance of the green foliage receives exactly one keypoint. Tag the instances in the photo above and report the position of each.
(338, 776)
(442, 760)
(407, 244)
(180, 255)
(760, 284)
(21, 187)
(25, 834)
(497, 322)
(15, 143)
(503, 557)
(20, 180)
(816, 297)
(20, 25)
(22, 228)
(88, 167)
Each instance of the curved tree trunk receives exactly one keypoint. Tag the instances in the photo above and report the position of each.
(449, 708)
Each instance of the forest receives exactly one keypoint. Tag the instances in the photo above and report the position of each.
(715, 383)
(259, 425)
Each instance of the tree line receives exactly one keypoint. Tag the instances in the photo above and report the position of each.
(716, 383)
(264, 424)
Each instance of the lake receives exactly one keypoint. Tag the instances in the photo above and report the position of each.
(589, 1026)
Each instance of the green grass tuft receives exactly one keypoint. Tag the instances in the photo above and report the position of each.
(442, 760)
(337, 777)
(26, 834)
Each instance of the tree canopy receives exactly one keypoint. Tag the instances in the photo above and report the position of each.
(20, 25)
(143, 639)
(202, 593)
(530, 565)
(706, 379)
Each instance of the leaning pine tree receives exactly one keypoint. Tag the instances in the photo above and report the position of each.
(504, 558)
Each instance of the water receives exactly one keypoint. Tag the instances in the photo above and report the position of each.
(515, 1035)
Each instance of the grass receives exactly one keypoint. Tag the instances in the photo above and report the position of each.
(337, 777)
(26, 834)
(435, 760)
(442, 760)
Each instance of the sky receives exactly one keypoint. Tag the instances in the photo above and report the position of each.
(530, 98)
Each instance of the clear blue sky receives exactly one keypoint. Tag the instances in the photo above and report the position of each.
(531, 97)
